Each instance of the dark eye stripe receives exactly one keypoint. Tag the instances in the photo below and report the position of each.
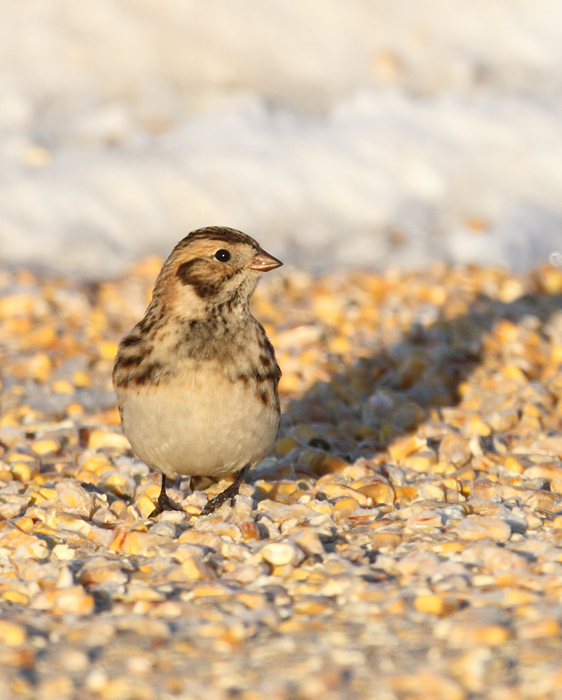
(190, 273)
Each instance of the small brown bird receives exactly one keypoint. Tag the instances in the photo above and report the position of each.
(196, 380)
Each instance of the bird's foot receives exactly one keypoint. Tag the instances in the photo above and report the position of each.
(164, 502)
(229, 493)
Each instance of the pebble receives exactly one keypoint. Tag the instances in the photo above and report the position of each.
(479, 527)
(454, 449)
(12, 634)
(72, 600)
(280, 553)
(423, 520)
(73, 498)
(435, 605)
(379, 492)
(309, 542)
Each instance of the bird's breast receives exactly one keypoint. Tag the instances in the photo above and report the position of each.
(202, 422)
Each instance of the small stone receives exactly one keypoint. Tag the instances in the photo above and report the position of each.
(454, 449)
(250, 531)
(478, 527)
(476, 426)
(223, 529)
(313, 605)
(538, 629)
(253, 601)
(309, 542)
(68, 521)
(165, 528)
(420, 462)
(25, 545)
(10, 436)
(314, 461)
(65, 578)
(25, 524)
(514, 464)
(435, 605)
(66, 600)
(331, 464)
(247, 573)
(543, 500)
(43, 447)
(99, 570)
(144, 506)
(62, 552)
(550, 472)
(11, 510)
(103, 516)
(285, 445)
(502, 421)
(205, 539)
(405, 446)
(483, 488)
(100, 536)
(73, 498)
(488, 635)
(425, 519)
(210, 590)
(407, 492)
(142, 592)
(381, 540)
(173, 516)
(12, 634)
(532, 521)
(335, 490)
(344, 507)
(75, 661)
(379, 492)
(97, 680)
(193, 569)
(280, 553)
(431, 492)
(97, 464)
(23, 471)
(434, 684)
(16, 597)
(121, 485)
(57, 688)
(100, 439)
(139, 543)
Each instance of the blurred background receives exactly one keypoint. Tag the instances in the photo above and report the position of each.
(367, 132)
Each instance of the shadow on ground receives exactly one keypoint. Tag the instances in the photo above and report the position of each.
(379, 398)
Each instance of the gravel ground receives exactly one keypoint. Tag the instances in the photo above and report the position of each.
(403, 541)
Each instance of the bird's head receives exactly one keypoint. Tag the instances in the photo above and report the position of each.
(212, 267)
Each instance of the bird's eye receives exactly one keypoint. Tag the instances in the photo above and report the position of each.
(222, 255)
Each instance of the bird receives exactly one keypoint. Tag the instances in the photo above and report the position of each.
(197, 379)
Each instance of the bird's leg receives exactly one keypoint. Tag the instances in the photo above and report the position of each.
(164, 502)
(229, 493)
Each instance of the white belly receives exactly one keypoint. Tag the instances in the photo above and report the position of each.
(205, 428)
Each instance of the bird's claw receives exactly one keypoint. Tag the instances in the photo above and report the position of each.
(229, 493)
(164, 503)
(217, 501)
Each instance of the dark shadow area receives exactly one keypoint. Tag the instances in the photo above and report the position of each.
(379, 398)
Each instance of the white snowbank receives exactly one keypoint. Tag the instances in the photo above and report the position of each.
(367, 132)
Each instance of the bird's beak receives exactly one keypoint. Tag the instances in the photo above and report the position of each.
(263, 262)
